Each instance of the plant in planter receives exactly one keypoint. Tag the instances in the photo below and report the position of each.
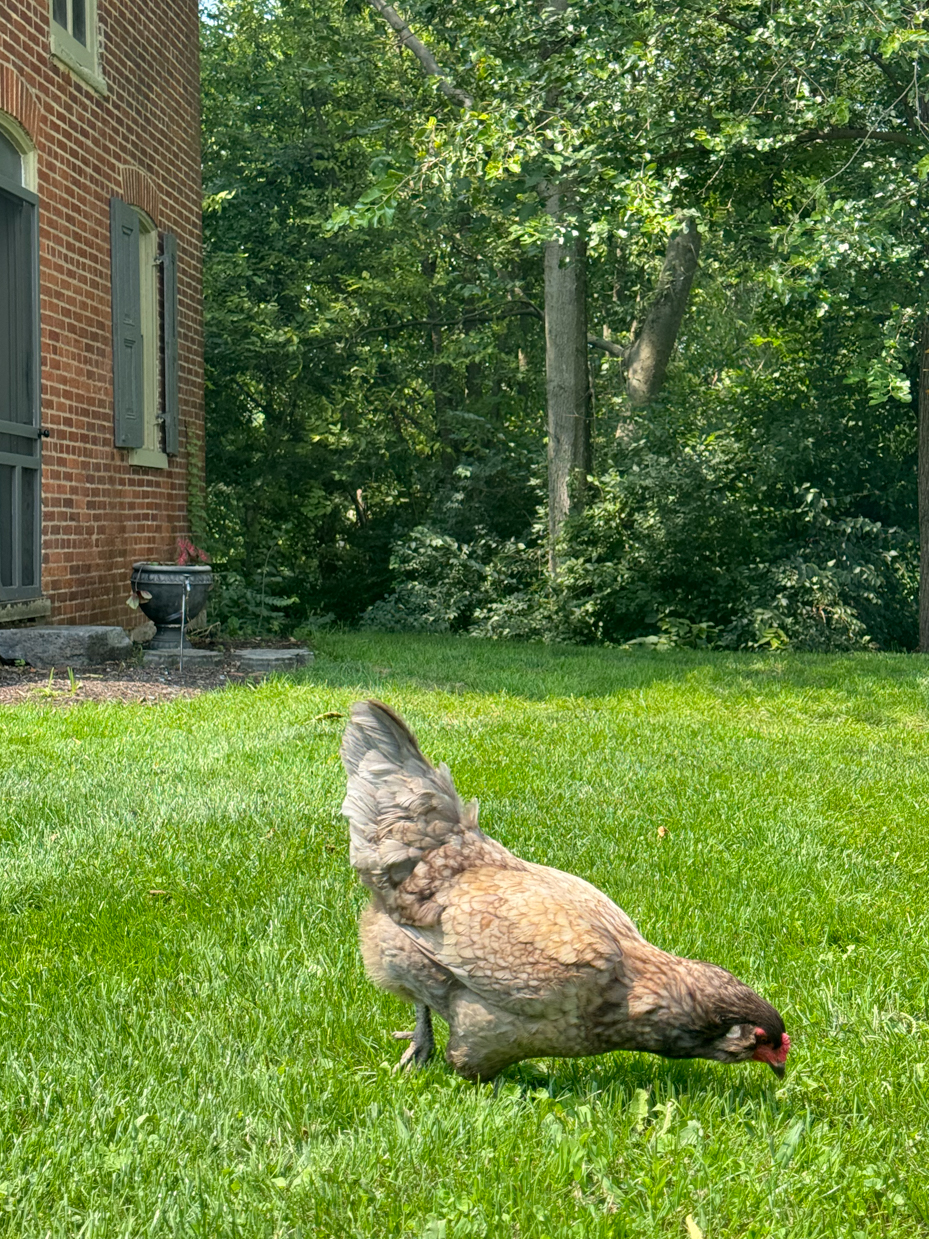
(171, 594)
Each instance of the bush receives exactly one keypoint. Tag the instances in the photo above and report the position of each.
(245, 607)
(670, 553)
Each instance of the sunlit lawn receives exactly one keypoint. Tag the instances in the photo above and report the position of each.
(189, 1044)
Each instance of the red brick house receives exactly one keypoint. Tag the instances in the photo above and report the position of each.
(101, 353)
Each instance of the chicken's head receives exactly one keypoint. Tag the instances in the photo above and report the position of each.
(771, 1050)
(721, 1018)
(765, 1045)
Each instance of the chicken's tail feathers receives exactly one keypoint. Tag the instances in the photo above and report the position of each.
(374, 727)
(399, 806)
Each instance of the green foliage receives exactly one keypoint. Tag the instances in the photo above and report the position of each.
(246, 610)
(724, 529)
(439, 581)
(680, 634)
(356, 380)
(374, 345)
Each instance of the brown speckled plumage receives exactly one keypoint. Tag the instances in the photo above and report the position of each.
(520, 960)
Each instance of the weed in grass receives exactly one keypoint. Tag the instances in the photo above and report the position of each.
(47, 690)
(190, 1046)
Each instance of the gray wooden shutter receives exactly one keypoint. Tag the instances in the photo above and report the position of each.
(172, 370)
(129, 417)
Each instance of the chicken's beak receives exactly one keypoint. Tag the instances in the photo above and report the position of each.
(775, 1059)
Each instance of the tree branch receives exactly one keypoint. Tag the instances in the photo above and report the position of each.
(422, 54)
(897, 136)
(524, 309)
(614, 350)
(899, 84)
(730, 21)
(476, 316)
(887, 71)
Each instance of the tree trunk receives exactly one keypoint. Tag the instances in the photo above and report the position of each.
(441, 377)
(922, 488)
(566, 373)
(648, 355)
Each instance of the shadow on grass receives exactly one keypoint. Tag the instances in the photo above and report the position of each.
(620, 1082)
(616, 1078)
(619, 1076)
(465, 665)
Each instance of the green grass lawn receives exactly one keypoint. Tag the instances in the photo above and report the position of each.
(189, 1046)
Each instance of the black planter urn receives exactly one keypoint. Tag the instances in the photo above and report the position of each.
(178, 593)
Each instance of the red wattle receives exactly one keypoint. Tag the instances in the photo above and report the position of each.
(767, 1053)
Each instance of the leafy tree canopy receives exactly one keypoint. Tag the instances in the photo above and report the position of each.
(375, 305)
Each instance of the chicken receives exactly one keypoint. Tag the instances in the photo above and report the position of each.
(521, 961)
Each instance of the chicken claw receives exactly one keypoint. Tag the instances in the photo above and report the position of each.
(421, 1039)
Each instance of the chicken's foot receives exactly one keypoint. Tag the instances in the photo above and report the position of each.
(421, 1039)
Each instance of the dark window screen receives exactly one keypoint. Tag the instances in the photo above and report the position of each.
(79, 20)
(7, 474)
(20, 458)
(28, 480)
(11, 162)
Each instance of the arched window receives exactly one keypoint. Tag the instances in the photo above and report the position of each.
(17, 155)
(151, 453)
(20, 442)
(11, 161)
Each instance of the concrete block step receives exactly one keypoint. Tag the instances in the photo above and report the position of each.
(65, 645)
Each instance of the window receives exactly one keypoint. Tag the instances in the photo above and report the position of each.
(150, 324)
(144, 337)
(20, 442)
(72, 15)
(11, 162)
(74, 39)
(17, 155)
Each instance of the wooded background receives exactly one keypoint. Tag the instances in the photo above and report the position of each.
(586, 324)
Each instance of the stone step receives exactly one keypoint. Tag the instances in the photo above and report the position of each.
(65, 645)
(172, 658)
(267, 661)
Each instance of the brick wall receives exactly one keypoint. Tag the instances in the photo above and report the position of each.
(141, 143)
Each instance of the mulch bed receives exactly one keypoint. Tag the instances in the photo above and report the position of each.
(119, 682)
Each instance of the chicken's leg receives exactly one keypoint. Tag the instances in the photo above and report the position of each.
(421, 1039)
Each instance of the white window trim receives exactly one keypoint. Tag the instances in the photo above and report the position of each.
(20, 139)
(83, 62)
(148, 458)
(149, 455)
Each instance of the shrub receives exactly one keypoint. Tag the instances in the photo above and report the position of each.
(670, 553)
